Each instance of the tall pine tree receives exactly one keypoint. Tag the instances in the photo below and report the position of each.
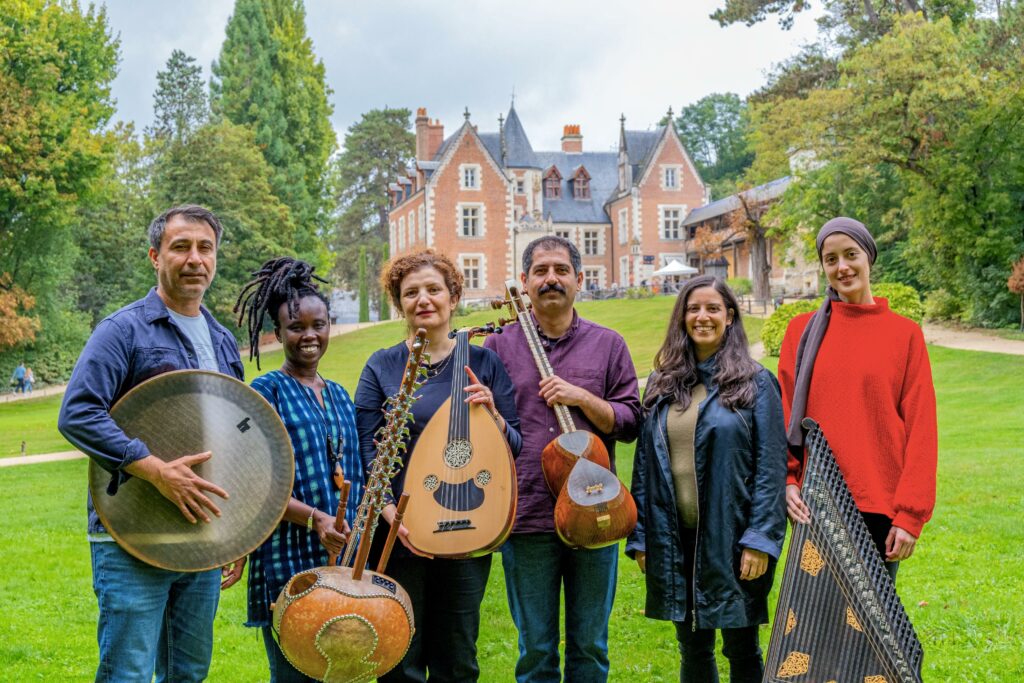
(179, 103)
(268, 78)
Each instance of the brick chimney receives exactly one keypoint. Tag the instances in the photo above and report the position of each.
(429, 135)
(572, 139)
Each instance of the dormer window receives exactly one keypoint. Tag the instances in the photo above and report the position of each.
(581, 184)
(553, 184)
(469, 176)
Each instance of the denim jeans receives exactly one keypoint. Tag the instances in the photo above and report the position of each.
(281, 670)
(537, 566)
(446, 596)
(697, 654)
(152, 619)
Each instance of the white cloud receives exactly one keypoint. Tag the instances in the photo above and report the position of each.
(569, 61)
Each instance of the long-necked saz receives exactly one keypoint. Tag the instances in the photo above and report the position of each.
(461, 476)
(346, 624)
(838, 617)
(185, 412)
(593, 508)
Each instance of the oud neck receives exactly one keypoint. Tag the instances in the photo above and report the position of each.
(458, 413)
(562, 414)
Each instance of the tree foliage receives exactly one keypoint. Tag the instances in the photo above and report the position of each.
(1015, 284)
(714, 131)
(923, 144)
(179, 103)
(220, 167)
(268, 78)
(16, 324)
(378, 149)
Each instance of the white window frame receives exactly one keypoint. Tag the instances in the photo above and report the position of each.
(676, 171)
(467, 173)
(596, 235)
(520, 186)
(663, 219)
(481, 270)
(460, 211)
(412, 228)
(623, 226)
(599, 276)
(422, 224)
(565, 233)
(401, 233)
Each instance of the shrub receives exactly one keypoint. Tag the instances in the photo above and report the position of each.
(775, 327)
(903, 299)
(941, 305)
(740, 286)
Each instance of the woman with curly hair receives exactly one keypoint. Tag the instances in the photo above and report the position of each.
(446, 593)
(709, 481)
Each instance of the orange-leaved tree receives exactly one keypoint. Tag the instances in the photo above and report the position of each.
(15, 326)
(1016, 285)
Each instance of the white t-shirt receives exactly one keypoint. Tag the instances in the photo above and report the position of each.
(198, 332)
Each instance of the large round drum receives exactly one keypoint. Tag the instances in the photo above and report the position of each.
(183, 413)
(340, 630)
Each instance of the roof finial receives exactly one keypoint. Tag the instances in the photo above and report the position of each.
(670, 112)
(622, 121)
(513, 95)
(465, 114)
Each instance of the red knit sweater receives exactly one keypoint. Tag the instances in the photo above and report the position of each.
(871, 392)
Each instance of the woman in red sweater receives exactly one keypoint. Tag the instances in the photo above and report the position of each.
(862, 372)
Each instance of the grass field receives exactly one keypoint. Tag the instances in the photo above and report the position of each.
(958, 588)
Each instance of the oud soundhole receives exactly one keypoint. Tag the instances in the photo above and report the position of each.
(458, 453)
(431, 482)
(483, 477)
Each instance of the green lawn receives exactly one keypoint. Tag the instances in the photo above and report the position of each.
(641, 321)
(958, 588)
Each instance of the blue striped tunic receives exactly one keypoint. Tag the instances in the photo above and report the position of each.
(291, 548)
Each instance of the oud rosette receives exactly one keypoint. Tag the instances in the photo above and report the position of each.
(336, 629)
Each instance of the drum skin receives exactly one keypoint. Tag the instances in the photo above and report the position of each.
(339, 630)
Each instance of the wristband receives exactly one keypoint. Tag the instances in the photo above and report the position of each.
(309, 522)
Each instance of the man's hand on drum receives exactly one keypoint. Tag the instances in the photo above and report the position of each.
(178, 483)
(330, 538)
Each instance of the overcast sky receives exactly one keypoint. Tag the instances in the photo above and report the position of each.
(568, 61)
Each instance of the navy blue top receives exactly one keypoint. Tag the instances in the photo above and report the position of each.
(292, 548)
(382, 378)
(128, 347)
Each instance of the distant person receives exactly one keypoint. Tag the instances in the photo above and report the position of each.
(30, 379)
(861, 371)
(150, 618)
(709, 477)
(18, 378)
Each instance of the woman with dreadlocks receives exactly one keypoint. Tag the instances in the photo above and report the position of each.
(320, 419)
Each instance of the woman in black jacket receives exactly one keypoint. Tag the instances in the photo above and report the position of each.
(709, 480)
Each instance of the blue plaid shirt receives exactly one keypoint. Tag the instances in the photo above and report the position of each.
(291, 548)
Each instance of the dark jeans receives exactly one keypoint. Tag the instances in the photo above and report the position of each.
(879, 525)
(697, 654)
(281, 670)
(446, 597)
(536, 567)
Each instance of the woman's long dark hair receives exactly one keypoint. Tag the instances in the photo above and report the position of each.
(675, 365)
(277, 281)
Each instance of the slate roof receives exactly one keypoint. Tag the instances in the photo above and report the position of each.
(603, 168)
(640, 144)
(517, 145)
(723, 206)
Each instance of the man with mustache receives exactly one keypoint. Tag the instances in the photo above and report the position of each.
(594, 377)
(149, 618)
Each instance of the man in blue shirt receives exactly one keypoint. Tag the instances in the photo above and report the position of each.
(149, 618)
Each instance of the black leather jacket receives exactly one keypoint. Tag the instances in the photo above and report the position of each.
(740, 459)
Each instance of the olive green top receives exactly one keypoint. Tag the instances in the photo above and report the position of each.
(681, 427)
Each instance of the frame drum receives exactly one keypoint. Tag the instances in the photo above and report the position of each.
(183, 413)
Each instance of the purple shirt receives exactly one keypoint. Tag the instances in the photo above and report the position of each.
(587, 355)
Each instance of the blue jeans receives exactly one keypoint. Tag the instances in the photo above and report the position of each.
(152, 618)
(537, 566)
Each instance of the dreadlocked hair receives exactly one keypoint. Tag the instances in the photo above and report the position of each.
(280, 280)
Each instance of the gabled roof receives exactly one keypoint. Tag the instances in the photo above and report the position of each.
(640, 144)
(761, 193)
(602, 167)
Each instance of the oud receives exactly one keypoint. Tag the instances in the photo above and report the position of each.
(461, 478)
(593, 507)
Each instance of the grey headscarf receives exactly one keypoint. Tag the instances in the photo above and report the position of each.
(814, 333)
